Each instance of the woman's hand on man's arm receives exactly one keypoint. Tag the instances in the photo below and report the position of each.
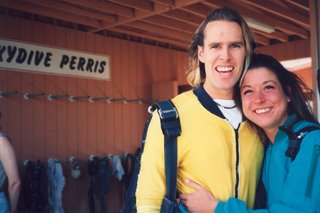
(200, 200)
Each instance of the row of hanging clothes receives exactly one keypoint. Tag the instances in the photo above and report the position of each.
(43, 184)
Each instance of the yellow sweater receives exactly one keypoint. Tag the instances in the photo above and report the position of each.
(207, 154)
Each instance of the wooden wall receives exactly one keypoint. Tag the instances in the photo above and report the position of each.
(292, 50)
(287, 51)
(43, 129)
(306, 75)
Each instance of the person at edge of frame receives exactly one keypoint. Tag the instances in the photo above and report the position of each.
(9, 176)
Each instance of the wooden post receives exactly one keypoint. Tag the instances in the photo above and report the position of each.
(314, 31)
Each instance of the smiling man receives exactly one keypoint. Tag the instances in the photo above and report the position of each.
(215, 149)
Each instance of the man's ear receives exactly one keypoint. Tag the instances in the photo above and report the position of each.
(200, 54)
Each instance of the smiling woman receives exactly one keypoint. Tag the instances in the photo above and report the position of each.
(291, 181)
(272, 92)
(273, 99)
(264, 101)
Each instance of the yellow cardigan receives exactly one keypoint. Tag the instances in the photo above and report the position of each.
(207, 155)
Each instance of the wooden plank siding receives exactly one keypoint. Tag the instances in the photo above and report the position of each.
(287, 51)
(43, 129)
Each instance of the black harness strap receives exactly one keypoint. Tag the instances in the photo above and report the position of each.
(170, 125)
(295, 139)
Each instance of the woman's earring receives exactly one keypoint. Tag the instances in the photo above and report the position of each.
(288, 99)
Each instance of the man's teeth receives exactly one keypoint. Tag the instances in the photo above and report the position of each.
(263, 110)
(224, 69)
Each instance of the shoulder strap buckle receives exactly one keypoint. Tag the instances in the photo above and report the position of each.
(165, 110)
(169, 113)
(170, 123)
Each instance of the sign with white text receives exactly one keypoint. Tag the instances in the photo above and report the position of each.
(37, 58)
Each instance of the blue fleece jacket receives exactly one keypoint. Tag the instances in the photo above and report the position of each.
(291, 186)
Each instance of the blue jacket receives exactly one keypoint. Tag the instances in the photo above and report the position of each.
(291, 186)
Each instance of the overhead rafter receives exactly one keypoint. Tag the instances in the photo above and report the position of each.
(198, 9)
(275, 35)
(164, 2)
(158, 9)
(152, 37)
(303, 4)
(160, 31)
(171, 22)
(278, 24)
(39, 10)
(136, 4)
(67, 8)
(262, 40)
(183, 16)
(104, 6)
(276, 9)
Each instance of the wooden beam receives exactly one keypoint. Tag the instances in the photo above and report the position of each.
(278, 24)
(172, 24)
(164, 2)
(275, 35)
(173, 42)
(183, 16)
(156, 30)
(261, 40)
(315, 52)
(66, 8)
(103, 6)
(177, 3)
(198, 10)
(303, 4)
(277, 10)
(136, 4)
(160, 6)
(184, 3)
(39, 10)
